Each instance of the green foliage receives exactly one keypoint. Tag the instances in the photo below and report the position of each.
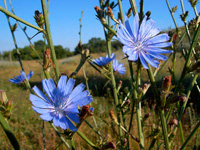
(27, 53)
(97, 45)
(62, 52)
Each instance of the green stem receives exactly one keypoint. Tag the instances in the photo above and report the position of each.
(116, 101)
(97, 132)
(86, 140)
(184, 72)
(195, 11)
(187, 97)
(152, 143)
(181, 130)
(164, 128)
(99, 70)
(138, 107)
(141, 10)
(172, 15)
(60, 136)
(134, 95)
(9, 133)
(133, 6)
(73, 147)
(19, 19)
(25, 32)
(190, 136)
(110, 29)
(121, 11)
(43, 135)
(161, 111)
(15, 43)
(49, 38)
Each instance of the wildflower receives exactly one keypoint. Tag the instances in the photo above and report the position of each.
(143, 42)
(102, 61)
(118, 67)
(21, 78)
(62, 102)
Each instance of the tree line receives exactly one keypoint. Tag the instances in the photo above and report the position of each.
(95, 45)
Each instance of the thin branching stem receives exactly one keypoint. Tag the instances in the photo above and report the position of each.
(19, 19)
(29, 39)
(49, 38)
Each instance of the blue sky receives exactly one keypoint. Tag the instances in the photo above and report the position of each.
(64, 20)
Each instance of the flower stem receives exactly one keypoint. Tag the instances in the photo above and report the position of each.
(29, 39)
(60, 136)
(195, 11)
(116, 101)
(9, 133)
(184, 72)
(121, 11)
(190, 136)
(49, 38)
(138, 107)
(97, 132)
(86, 140)
(16, 46)
(133, 6)
(43, 135)
(161, 111)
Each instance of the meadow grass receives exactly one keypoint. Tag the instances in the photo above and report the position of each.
(27, 125)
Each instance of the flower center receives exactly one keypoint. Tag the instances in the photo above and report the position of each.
(58, 109)
(139, 46)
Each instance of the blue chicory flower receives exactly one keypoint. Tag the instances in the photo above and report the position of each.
(118, 67)
(62, 102)
(21, 78)
(102, 61)
(143, 42)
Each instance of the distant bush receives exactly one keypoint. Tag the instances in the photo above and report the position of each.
(28, 54)
(97, 45)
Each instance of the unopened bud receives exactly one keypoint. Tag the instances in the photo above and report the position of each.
(127, 102)
(124, 141)
(194, 23)
(100, 15)
(39, 18)
(97, 8)
(129, 12)
(86, 111)
(176, 99)
(184, 16)
(110, 13)
(173, 122)
(148, 14)
(84, 55)
(193, 3)
(174, 9)
(14, 27)
(140, 92)
(166, 84)
(3, 97)
(120, 85)
(9, 105)
(109, 10)
(144, 88)
(47, 62)
(113, 117)
(194, 67)
(109, 145)
(147, 115)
